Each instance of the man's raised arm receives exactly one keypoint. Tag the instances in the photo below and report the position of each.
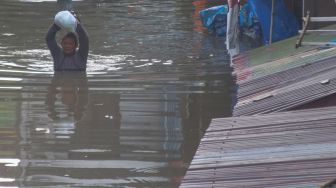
(83, 41)
(55, 50)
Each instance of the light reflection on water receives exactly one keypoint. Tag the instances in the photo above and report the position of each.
(133, 120)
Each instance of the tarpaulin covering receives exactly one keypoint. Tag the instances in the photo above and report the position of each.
(215, 19)
(249, 23)
(285, 23)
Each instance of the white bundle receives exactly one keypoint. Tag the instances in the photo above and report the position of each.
(66, 21)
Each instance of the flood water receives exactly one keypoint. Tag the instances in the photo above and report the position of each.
(134, 119)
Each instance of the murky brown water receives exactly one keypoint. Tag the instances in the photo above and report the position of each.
(133, 120)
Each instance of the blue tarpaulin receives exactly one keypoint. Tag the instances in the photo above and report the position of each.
(255, 20)
(215, 19)
(249, 23)
(285, 22)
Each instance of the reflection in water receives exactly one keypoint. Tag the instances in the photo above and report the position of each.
(92, 137)
(65, 4)
(73, 90)
(135, 123)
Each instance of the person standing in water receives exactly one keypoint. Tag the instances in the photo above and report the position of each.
(66, 57)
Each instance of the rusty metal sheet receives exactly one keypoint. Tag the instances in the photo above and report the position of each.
(274, 94)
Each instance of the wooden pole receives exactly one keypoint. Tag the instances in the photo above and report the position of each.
(303, 12)
(304, 29)
(272, 22)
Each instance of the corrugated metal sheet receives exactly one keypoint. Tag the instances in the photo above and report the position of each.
(280, 150)
(284, 78)
(288, 89)
(246, 72)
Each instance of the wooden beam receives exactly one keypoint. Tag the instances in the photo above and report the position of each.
(321, 19)
(272, 22)
(319, 31)
(318, 44)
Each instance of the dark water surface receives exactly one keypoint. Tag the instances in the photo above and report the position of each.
(153, 84)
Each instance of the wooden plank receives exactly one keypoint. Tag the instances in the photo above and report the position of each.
(323, 19)
(319, 31)
(318, 43)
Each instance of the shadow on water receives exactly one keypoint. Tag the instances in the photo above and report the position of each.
(135, 119)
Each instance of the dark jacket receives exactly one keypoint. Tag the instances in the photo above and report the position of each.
(76, 62)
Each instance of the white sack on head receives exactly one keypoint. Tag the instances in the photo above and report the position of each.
(66, 21)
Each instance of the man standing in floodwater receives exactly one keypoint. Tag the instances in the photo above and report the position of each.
(67, 57)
